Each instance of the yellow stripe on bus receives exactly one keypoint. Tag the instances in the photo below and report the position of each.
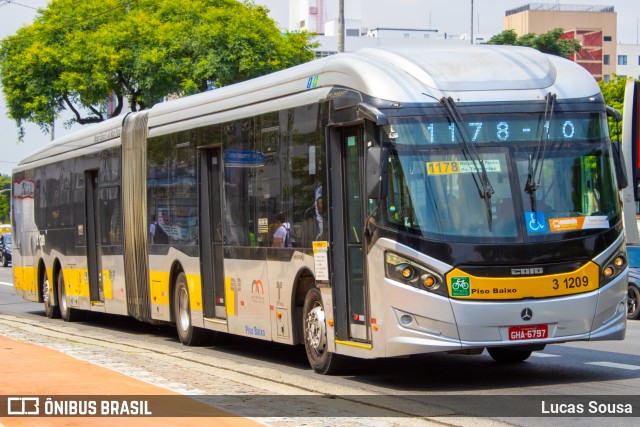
(77, 284)
(230, 299)
(159, 287)
(355, 344)
(462, 285)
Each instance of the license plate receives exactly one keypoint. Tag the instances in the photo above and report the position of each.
(533, 332)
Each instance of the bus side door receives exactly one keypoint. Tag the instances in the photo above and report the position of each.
(346, 225)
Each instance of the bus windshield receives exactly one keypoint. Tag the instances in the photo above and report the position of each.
(435, 187)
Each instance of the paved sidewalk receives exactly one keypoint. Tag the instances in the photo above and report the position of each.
(31, 370)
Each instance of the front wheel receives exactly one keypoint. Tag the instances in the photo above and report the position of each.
(4, 260)
(188, 334)
(508, 355)
(315, 336)
(633, 309)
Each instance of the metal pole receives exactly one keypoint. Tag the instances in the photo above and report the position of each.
(341, 26)
(471, 21)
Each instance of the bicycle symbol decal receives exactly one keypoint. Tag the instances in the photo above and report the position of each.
(460, 287)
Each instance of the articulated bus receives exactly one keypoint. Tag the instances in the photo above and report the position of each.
(444, 199)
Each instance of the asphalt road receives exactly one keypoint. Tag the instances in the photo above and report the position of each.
(447, 385)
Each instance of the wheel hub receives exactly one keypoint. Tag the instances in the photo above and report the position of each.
(316, 329)
(183, 306)
(45, 292)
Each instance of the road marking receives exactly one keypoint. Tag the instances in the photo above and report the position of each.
(6, 284)
(537, 354)
(615, 365)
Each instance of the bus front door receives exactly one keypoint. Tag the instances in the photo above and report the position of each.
(348, 266)
(211, 237)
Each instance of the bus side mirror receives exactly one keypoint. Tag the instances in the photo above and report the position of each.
(376, 172)
(619, 164)
(612, 112)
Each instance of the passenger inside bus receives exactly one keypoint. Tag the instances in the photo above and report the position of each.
(282, 235)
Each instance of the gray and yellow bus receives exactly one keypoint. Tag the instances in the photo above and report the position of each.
(445, 199)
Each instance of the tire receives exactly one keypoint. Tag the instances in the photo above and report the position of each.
(52, 311)
(189, 335)
(67, 313)
(4, 261)
(508, 355)
(633, 303)
(314, 326)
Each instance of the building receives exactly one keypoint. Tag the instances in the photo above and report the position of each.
(403, 33)
(321, 16)
(595, 26)
(628, 60)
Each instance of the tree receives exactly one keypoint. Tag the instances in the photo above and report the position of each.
(76, 55)
(550, 42)
(613, 92)
(5, 184)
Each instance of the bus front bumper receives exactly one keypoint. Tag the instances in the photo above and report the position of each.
(460, 325)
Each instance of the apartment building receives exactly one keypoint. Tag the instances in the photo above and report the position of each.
(595, 26)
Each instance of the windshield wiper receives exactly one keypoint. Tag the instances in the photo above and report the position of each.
(480, 176)
(535, 170)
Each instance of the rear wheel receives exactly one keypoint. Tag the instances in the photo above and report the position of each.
(4, 260)
(67, 313)
(188, 334)
(52, 311)
(508, 355)
(633, 309)
(315, 336)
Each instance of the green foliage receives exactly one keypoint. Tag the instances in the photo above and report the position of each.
(5, 184)
(77, 54)
(613, 92)
(549, 42)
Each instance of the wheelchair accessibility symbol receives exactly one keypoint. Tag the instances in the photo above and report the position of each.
(536, 222)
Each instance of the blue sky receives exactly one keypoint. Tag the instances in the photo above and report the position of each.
(451, 16)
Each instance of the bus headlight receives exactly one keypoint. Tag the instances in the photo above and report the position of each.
(614, 266)
(413, 274)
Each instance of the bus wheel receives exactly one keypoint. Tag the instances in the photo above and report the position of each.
(188, 334)
(315, 335)
(52, 311)
(633, 301)
(67, 313)
(508, 355)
